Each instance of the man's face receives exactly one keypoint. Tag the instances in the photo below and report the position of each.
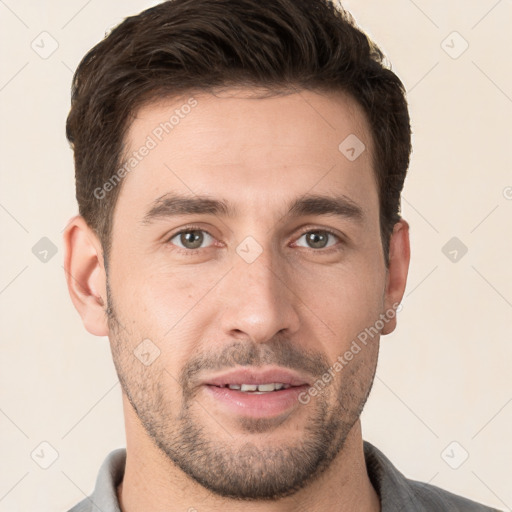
(278, 295)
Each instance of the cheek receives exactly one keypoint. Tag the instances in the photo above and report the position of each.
(153, 388)
(157, 297)
(347, 298)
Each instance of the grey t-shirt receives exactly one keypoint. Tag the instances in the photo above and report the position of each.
(396, 492)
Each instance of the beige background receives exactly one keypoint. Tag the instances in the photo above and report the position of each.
(443, 376)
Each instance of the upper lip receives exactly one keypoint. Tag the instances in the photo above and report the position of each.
(256, 376)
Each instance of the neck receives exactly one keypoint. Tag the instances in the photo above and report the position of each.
(152, 482)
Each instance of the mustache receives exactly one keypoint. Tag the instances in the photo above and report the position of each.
(279, 351)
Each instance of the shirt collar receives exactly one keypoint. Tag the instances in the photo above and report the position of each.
(392, 486)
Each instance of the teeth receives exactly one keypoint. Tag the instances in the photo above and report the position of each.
(249, 387)
(271, 386)
(266, 387)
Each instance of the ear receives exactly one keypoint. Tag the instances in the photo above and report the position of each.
(85, 275)
(399, 257)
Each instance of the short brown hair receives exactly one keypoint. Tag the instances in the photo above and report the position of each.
(182, 46)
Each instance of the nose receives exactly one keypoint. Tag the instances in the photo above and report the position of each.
(260, 299)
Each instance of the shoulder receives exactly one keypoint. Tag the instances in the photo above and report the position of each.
(104, 496)
(428, 495)
(398, 493)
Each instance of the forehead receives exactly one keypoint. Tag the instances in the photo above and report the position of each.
(250, 149)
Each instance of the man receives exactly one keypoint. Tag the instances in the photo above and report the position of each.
(239, 165)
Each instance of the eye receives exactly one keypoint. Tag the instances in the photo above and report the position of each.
(318, 239)
(190, 238)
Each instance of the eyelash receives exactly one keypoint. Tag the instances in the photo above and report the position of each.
(191, 252)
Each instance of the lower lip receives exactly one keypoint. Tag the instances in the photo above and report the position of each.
(254, 405)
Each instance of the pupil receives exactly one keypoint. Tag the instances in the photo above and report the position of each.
(195, 238)
(317, 240)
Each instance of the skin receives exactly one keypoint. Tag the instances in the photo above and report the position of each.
(295, 305)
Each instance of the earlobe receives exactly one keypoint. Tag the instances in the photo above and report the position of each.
(85, 275)
(399, 258)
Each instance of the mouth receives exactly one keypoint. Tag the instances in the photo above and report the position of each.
(258, 389)
(256, 379)
(256, 393)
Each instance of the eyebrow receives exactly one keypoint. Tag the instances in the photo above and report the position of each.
(171, 205)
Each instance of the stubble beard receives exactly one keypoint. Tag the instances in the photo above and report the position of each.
(232, 465)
